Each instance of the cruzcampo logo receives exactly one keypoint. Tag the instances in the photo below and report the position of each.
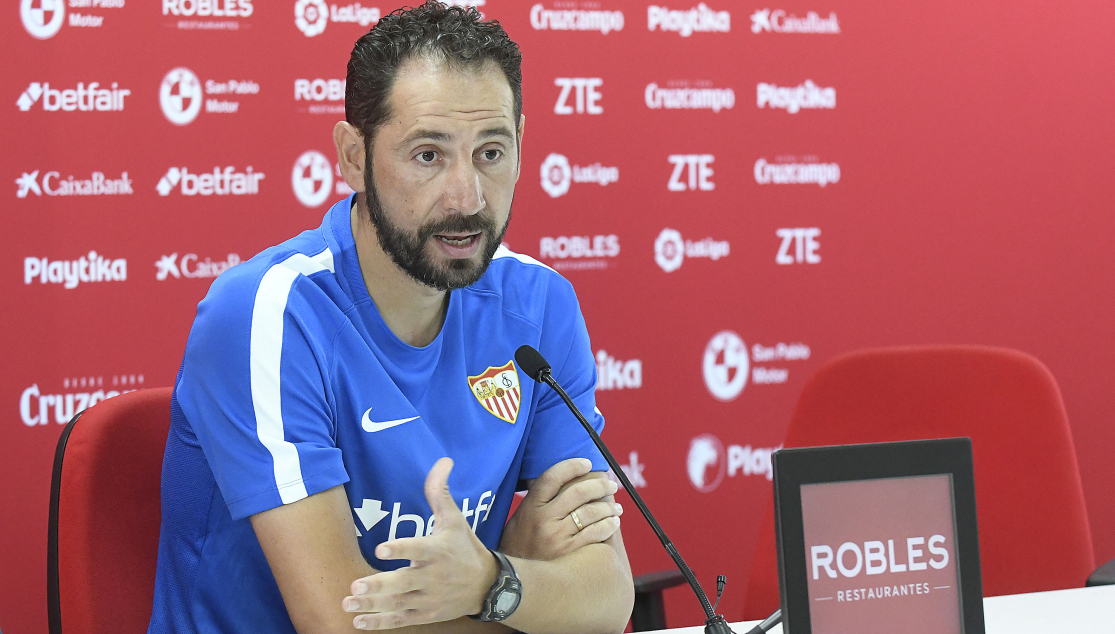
(497, 389)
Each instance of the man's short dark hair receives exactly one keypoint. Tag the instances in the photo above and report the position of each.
(457, 36)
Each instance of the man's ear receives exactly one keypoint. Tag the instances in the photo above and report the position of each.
(351, 154)
(519, 146)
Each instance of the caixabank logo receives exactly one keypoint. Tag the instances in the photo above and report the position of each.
(312, 16)
(190, 266)
(182, 96)
(52, 183)
(314, 179)
(43, 19)
(778, 21)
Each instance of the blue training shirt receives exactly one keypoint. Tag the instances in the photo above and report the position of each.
(292, 384)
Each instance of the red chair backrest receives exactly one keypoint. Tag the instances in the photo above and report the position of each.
(1033, 525)
(105, 514)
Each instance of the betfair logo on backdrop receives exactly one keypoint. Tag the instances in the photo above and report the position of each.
(679, 95)
(790, 171)
(670, 249)
(586, 97)
(312, 16)
(807, 95)
(604, 22)
(42, 19)
(558, 174)
(699, 19)
(699, 172)
(54, 185)
(777, 21)
(91, 97)
(219, 182)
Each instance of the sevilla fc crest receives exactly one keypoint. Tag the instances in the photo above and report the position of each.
(498, 391)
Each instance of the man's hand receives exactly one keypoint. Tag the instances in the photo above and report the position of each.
(449, 575)
(542, 528)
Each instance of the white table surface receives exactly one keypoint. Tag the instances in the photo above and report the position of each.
(1076, 611)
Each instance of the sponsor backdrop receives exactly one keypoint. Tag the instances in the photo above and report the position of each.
(738, 190)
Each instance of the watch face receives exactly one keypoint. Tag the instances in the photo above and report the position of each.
(506, 601)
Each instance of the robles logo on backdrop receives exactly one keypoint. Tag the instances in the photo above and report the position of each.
(313, 177)
(670, 249)
(181, 96)
(36, 403)
(42, 19)
(317, 91)
(579, 252)
(707, 462)
(558, 174)
(312, 16)
(679, 95)
(91, 267)
(190, 267)
(54, 185)
(699, 19)
(199, 14)
(220, 182)
(727, 366)
(788, 170)
(569, 18)
(84, 97)
(778, 21)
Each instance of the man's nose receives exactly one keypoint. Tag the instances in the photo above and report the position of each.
(464, 194)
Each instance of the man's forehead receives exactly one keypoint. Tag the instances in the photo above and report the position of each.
(430, 94)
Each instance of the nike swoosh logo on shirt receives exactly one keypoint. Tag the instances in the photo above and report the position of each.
(371, 426)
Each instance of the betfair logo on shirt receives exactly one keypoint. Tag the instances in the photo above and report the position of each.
(371, 512)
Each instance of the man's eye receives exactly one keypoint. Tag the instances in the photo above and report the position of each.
(491, 155)
(427, 157)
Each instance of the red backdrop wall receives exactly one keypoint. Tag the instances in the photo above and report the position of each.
(738, 191)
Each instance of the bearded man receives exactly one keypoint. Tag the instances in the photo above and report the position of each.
(349, 427)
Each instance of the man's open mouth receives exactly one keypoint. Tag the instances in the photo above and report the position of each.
(459, 240)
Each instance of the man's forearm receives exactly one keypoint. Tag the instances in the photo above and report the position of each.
(589, 590)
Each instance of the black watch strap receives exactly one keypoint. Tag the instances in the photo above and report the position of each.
(504, 596)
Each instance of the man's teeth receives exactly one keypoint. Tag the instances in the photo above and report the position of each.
(457, 242)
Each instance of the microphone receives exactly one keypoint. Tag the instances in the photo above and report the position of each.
(534, 364)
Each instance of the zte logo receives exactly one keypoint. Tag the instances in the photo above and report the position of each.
(698, 176)
(803, 242)
(874, 559)
(208, 8)
(84, 98)
(586, 95)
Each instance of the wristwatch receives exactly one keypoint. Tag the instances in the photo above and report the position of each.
(506, 592)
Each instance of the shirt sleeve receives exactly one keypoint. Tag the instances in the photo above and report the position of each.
(253, 388)
(555, 434)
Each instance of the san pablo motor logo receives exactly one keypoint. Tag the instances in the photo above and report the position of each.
(498, 391)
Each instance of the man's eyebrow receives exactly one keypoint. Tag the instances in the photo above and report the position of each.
(501, 131)
(426, 134)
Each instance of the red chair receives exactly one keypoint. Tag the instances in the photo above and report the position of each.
(1033, 525)
(103, 535)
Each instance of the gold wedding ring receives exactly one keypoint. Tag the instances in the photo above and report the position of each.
(577, 520)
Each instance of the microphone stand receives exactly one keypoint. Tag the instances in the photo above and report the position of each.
(714, 623)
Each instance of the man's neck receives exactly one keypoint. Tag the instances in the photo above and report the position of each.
(413, 311)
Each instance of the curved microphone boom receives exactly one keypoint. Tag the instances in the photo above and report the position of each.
(534, 364)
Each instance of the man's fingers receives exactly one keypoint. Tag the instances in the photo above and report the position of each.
(581, 493)
(398, 581)
(549, 484)
(411, 548)
(596, 511)
(392, 620)
(596, 533)
(438, 495)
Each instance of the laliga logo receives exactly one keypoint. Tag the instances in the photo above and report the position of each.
(311, 16)
(725, 365)
(669, 250)
(180, 96)
(705, 463)
(42, 18)
(556, 175)
(312, 178)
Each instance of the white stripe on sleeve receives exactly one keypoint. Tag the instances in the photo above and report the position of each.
(266, 357)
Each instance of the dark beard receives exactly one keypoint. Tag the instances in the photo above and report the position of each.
(408, 252)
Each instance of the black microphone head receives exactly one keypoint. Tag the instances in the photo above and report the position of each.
(532, 362)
